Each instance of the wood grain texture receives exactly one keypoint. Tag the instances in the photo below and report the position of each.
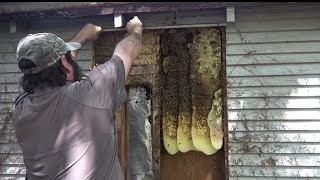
(122, 137)
(192, 166)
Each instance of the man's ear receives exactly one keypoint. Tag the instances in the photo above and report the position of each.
(67, 66)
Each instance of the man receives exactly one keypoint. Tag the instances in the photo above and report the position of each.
(64, 122)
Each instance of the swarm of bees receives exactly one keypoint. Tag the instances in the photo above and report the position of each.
(192, 97)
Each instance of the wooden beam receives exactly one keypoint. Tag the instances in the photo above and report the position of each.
(16, 7)
(91, 9)
(168, 27)
(157, 90)
(160, 7)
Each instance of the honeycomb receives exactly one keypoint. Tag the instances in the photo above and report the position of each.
(215, 121)
(190, 71)
(170, 97)
(205, 50)
(180, 48)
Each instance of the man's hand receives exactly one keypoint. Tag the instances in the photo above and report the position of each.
(134, 25)
(89, 32)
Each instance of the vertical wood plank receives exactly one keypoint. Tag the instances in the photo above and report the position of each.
(122, 140)
(223, 75)
(156, 115)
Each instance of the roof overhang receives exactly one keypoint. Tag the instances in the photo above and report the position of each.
(81, 9)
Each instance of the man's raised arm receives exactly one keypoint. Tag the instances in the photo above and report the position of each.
(89, 32)
(129, 48)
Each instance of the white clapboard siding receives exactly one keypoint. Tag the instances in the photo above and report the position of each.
(284, 125)
(272, 178)
(278, 81)
(10, 148)
(10, 88)
(12, 47)
(12, 169)
(274, 58)
(12, 166)
(273, 25)
(274, 114)
(288, 91)
(275, 148)
(275, 159)
(10, 77)
(276, 171)
(12, 67)
(276, 47)
(7, 58)
(274, 37)
(274, 69)
(6, 128)
(13, 158)
(274, 136)
(274, 103)
(273, 90)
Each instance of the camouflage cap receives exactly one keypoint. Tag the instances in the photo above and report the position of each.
(43, 49)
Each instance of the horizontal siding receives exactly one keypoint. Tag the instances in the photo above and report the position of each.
(13, 159)
(272, 160)
(12, 68)
(10, 58)
(271, 178)
(275, 125)
(12, 166)
(274, 114)
(274, 37)
(282, 81)
(273, 58)
(276, 12)
(273, 70)
(275, 148)
(273, 136)
(275, 172)
(287, 91)
(274, 103)
(10, 148)
(276, 47)
(274, 25)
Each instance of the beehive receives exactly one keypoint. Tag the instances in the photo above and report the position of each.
(170, 97)
(205, 51)
(191, 63)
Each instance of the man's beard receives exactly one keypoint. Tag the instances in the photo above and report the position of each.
(78, 74)
(77, 70)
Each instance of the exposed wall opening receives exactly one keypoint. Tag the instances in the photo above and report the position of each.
(191, 66)
(181, 72)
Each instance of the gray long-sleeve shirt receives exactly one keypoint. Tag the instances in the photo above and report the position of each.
(69, 132)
